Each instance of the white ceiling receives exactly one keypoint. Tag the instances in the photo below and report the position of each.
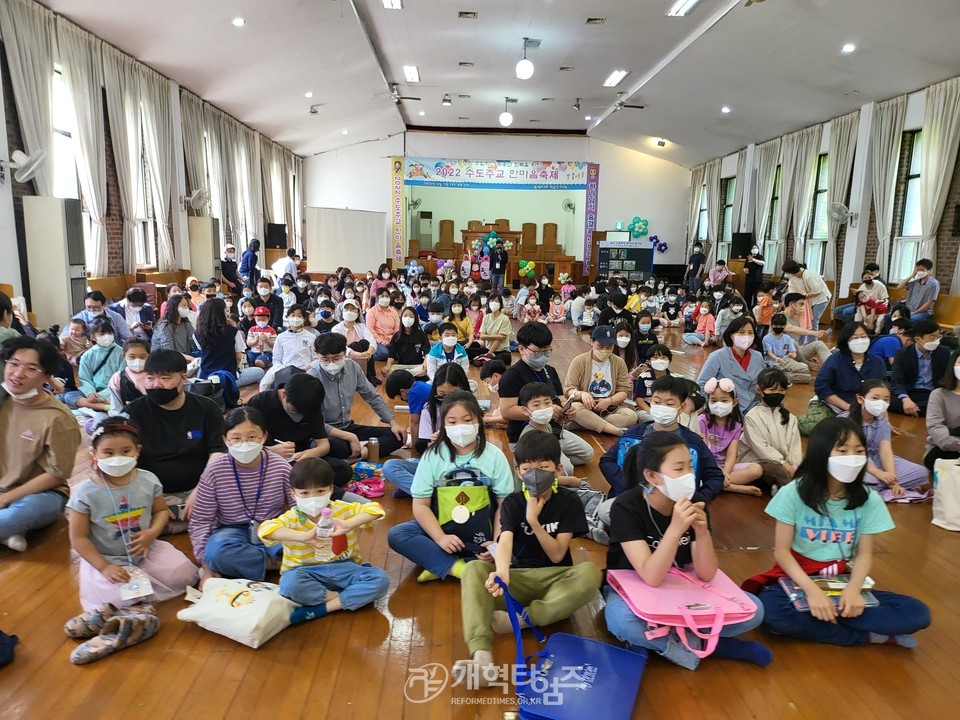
(777, 65)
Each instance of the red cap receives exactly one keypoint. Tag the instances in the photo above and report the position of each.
(262, 310)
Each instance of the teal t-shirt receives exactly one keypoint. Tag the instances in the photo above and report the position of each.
(832, 536)
(434, 465)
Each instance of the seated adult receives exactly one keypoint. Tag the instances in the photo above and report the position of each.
(808, 349)
(137, 312)
(175, 289)
(295, 424)
(40, 438)
(899, 311)
(94, 306)
(175, 331)
(180, 431)
(597, 383)
(871, 285)
(887, 346)
(917, 368)
(737, 361)
(943, 416)
(342, 380)
(495, 331)
(534, 340)
(222, 345)
(361, 345)
(408, 347)
(838, 381)
(266, 297)
(7, 331)
(383, 321)
(922, 290)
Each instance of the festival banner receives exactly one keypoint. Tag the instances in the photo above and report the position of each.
(397, 210)
(495, 174)
(590, 221)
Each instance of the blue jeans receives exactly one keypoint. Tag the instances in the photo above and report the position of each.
(694, 338)
(31, 513)
(623, 623)
(496, 284)
(845, 313)
(381, 352)
(925, 315)
(694, 285)
(230, 553)
(896, 615)
(70, 398)
(358, 585)
(410, 540)
(249, 376)
(400, 473)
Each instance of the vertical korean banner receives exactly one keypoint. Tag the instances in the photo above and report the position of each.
(397, 212)
(590, 222)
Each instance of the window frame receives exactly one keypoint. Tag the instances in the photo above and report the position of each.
(905, 249)
(771, 245)
(815, 245)
(703, 218)
(725, 236)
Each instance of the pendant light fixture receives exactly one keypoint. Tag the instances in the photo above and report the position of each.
(506, 119)
(525, 66)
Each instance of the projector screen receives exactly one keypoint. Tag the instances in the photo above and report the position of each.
(357, 239)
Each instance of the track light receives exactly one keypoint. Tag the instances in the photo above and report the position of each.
(576, 105)
(525, 67)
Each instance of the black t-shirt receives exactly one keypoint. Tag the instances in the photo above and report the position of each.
(323, 327)
(512, 382)
(671, 310)
(563, 513)
(545, 294)
(274, 305)
(283, 428)
(697, 261)
(609, 317)
(644, 341)
(632, 518)
(498, 261)
(409, 349)
(178, 443)
(755, 272)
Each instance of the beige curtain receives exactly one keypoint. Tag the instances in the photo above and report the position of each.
(696, 189)
(712, 180)
(768, 155)
(738, 189)
(938, 155)
(886, 134)
(158, 144)
(805, 180)
(843, 145)
(194, 146)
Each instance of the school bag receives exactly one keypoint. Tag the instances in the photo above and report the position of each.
(7, 644)
(685, 604)
(464, 507)
(485, 267)
(572, 678)
(246, 611)
(465, 266)
(946, 494)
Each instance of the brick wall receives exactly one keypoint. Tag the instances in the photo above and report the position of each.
(113, 220)
(947, 242)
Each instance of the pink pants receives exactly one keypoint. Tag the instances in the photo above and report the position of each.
(169, 569)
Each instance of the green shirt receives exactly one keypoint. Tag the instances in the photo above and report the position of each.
(435, 464)
(832, 536)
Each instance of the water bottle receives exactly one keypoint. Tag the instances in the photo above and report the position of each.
(373, 450)
(325, 526)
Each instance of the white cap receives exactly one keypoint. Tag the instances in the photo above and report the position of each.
(229, 246)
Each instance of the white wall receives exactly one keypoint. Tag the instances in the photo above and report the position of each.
(632, 183)
(496, 147)
(355, 177)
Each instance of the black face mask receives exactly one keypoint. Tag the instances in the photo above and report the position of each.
(162, 396)
(778, 329)
(773, 399)
(194, 288)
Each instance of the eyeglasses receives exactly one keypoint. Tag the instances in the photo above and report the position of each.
(541, 351)
(28, 370)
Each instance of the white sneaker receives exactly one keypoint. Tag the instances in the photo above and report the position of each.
(16, 542)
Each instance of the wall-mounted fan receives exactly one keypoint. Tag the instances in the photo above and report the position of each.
(24, 166)
(197, 200)
(414, 204)
(568, 205)
(839, 213)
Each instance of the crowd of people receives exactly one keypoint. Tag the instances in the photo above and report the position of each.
(264, 485)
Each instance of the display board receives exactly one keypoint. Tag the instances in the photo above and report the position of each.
(633, 260)
(349, 238)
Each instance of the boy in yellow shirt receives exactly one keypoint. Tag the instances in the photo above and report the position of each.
(323, 574)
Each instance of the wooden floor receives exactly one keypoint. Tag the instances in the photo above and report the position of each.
(356, 665)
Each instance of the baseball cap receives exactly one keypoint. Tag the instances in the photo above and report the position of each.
(262, 310)
(604, 335)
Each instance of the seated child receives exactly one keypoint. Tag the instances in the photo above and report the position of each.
(771, 436)
(706, 327)
(116, 516)
(401, 384)
(671, 314)
(869, 310)
(97, 366)
(75, 343)
(655, 365)
(448, 350)
(261, 339)
(531, 310)
(508, 302)
(323, 573)
(589, 316)
(556, 313)
(532, 558)
(537, 403)
(721, 426)
(645, 337)
(434, 318)
(780, 351)
(490, 373)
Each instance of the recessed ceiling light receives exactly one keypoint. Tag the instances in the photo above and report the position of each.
(615, 78)
(467, 15)
(588, 117)
(566, 68)
(239, 22)
(596, 21)
(308, 94)
(465, 63)
(411, 73)
(422, 113)
(393, 4)
(725, 109)
(344, 132)
(848, 48)
(681, 7)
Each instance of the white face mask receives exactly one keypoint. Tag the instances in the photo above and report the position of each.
(436, 318)
(104, 341)
(247, 310)
(456, 309)
(932, 345)
(956, 371)
(717, 295)
(493, 388)
(721, 409)
(462, 435)
(743, 341)
(95, 313)
(185, 312)
(22, 396)
(407, 321)
(876, 407)
(348, 295)
(295, 322)
(542, 417)
(313, 506)
(385, 276)
(302, 285)
(622, 342)
(332, 367)
(754, 250)
(845, 468)
(494, 306)
(678, 488)
(664, 414)
(264, 291)
(660, 365)
(136, 365)
(350, 316)
(859, 345)
(245, 452)
(384, 301)
(671, 298)
(116, 466)
(921, 274)
(449, 342)
(262, 323)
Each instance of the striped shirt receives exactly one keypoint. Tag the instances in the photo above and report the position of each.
(221, 501)
(342, 547)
